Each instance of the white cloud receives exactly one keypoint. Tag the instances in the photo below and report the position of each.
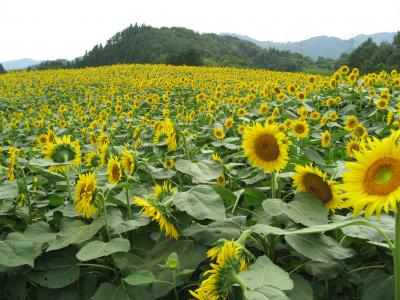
(49, 29)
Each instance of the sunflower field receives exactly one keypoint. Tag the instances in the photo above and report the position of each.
(162, 182)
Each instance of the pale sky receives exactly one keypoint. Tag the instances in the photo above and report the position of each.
(50, 29)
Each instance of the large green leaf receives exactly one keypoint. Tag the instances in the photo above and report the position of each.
(140, 278)
(16, 250)
(208, 234)
(302, 288)
(202, 171)
(306, 209)
(74, 232)
(273, 207)
(40, 234)
(96, 249)
(318, 247)
(264, 274)
(385, 223)
(266, 293)
(55, 270)
(9, 190)
(377, 285)
(118, 225)
(201, 202)
(105, 291)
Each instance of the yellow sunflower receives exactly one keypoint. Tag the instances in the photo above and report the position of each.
(114, 173)
(219, 133)
(351, 123)
(128, 161)
(300, 128)
(92, 159)
(312, 180)
(85, 188)
(373, 181)
(352, 147)
(265, 147)
(326, 139)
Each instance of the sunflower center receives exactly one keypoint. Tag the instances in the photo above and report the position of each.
(63, 153)
(299, 128)
(317, 186)
(382, 177)
(266, 147)
(115, 172)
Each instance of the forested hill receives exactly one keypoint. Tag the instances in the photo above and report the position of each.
(181, 46)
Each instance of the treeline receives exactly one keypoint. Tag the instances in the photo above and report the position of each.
(370, 57)
(181, 46)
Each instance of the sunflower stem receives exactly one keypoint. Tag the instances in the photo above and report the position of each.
(128, 205)
(273, 179)
(105, 215)
(28, 198)
(68, 183)
(396, 255)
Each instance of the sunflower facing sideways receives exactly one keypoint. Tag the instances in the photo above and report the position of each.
(84, 202)
(265, 147)
(63, 151)
(373, 181)
(310, 179)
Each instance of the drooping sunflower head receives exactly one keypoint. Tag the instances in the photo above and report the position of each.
(84, 198)
(310, 179)
(373, 181)
(300, 128)
(164, 190)
(114, 173)
(128, 161)
(265, 147)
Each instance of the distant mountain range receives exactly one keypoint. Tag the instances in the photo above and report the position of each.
(324, 46)
(20, 63)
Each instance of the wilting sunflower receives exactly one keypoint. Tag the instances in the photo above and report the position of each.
(63, 150)
(84, 202)
(300, 129)
(373, 181)
(157, 212)
(128, 161)
(114, 173)
(265, 147)
(312, 180)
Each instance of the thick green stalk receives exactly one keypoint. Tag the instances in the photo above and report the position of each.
(396, 254)
(105, 215)
(128, 205)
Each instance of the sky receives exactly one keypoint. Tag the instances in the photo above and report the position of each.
(51, 29)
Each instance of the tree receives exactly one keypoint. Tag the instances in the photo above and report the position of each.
(2, 70)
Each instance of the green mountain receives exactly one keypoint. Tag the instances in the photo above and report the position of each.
(322, 46)
(181, 46)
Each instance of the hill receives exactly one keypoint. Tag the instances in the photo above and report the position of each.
(19, 63)
(321, 46)
(181, 46)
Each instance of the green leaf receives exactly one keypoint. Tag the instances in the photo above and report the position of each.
(16, 250)
(96, 249)
(118, 225)
(302, 288)
(318, 247)
(201, 202)
(314, 156)
(377, 285)
(55, 270)
(225, 193)
(9, 190)
(40, 234)
(266, 293)
(208, 234)
(105, 291)
(161, 173)
(273, 207)
(264, 273)
(253, 197)
(39, 162)
(385, 223)
(306, 209)
(74, 232)
(202, 171)
(323, 271)
(140, 277)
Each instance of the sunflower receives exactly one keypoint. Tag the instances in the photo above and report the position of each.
(128, 161)
(241, 112)
(312, 180)
(265, 147)
(162, 191)
(92, 159)
(351, 123)
(43, 139)
(63, 151)
(326, 139)
(219, 133)
(85, 188)
(300, 129)
(352, 147)
(373, 181)
(13, 157)
(382, 103)
(157, 212)
(229, 123)
(114, 173)
(263, 108)
(170, 164)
